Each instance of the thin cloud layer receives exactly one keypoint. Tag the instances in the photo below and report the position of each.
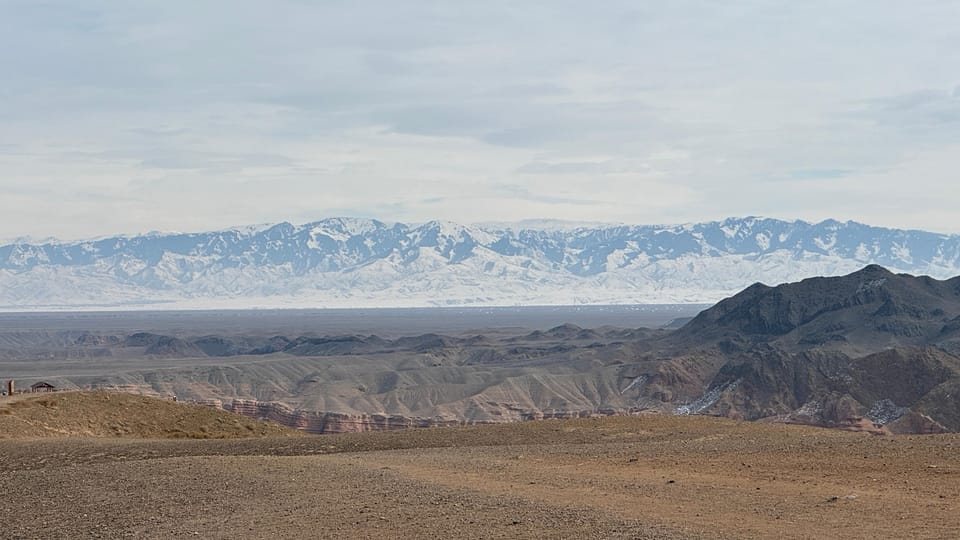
(125, 117)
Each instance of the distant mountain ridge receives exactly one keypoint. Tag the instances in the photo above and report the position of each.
(345, 262)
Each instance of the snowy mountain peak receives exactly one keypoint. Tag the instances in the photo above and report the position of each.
(347, 261)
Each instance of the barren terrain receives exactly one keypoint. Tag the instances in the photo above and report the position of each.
(648, 476)
(872, 351)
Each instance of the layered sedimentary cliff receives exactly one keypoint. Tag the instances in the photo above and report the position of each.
(329, 422)
(332, 422)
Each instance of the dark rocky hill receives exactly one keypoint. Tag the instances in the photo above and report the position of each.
(867, 311)
(867, 350)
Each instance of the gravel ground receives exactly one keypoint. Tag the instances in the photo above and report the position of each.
(627, 477)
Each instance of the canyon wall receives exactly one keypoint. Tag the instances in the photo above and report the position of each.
(332, 422)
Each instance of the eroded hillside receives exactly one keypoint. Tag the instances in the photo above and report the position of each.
(872, 351)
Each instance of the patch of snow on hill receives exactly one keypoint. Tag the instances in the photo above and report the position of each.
(902, 252)
(707, 400)
(885, 411)
(763, 241)
(826, 245)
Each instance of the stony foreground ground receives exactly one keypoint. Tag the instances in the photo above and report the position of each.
(626, 477)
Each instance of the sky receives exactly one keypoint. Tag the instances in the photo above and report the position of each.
(174, 115)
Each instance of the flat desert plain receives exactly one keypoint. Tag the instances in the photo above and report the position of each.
(644, 476)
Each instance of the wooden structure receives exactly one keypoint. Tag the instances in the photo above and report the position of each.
(42, 387)
(10, 387)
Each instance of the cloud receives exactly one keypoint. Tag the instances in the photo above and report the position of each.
(675, 111)
(819, 174)
(587, 168)
(927, 108)
(215, 161)
(519, 192)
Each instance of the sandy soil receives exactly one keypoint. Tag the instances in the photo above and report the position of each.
(108, 414)
(627, 477)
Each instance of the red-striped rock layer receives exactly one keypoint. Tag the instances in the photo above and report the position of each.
(334, 422)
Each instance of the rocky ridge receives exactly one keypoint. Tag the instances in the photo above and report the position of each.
(871, 350)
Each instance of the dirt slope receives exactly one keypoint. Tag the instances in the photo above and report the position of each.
(106, 414)
(624, 477)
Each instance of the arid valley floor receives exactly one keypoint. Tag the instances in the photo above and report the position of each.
(635, 424)
(647, 476)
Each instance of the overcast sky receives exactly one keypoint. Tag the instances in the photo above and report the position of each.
(120, 116)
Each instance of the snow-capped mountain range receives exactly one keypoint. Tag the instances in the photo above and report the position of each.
(348, 262)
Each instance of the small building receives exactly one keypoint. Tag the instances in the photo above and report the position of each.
(42, 387)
